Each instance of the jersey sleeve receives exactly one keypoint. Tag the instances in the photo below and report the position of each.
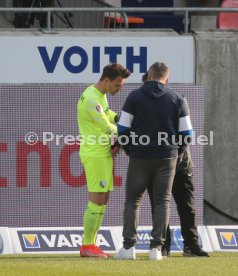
(185, 125)
(99, 117)
(126, 118)
(112, 116)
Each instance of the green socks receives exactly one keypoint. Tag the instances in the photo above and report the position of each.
(93, 217)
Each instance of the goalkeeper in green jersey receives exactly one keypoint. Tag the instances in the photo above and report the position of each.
(96, 125)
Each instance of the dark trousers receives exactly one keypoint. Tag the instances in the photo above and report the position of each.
(159, 175)
(183, 193)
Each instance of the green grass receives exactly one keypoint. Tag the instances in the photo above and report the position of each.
(34, 265)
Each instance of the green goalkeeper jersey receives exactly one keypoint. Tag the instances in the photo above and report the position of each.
(96, 123)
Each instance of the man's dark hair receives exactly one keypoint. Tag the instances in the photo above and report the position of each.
(114, 70)
(159, 70)
(145, 77)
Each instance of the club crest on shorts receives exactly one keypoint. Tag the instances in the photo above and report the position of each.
(102, 183)
(99, 108)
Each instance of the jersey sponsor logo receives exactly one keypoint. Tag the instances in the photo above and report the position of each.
(99, 108)
(60, 240)
(227, 238)
(102, 183)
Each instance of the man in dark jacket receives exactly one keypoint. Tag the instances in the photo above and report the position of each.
(183, 194)
(152, 119)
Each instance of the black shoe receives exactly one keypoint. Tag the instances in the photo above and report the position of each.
(194, 250)
(165, 252)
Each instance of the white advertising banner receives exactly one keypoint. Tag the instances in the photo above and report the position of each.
(223, 238)
(59, 239)
(80, 57)
(109, 239)
(5, 241)
(143, 239)
(204, 239)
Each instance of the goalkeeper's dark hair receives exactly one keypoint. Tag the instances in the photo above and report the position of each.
(114, 70)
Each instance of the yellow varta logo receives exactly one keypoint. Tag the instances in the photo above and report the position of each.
(228, 238)
(31, 240)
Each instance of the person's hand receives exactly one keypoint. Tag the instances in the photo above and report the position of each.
(115, 149)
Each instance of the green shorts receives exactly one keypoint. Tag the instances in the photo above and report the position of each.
(98, 172)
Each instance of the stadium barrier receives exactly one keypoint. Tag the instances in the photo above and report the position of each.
(184, 10)
(68, 240)
(223, 237)
(5, 241)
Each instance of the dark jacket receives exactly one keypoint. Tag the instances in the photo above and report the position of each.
(154, 110)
